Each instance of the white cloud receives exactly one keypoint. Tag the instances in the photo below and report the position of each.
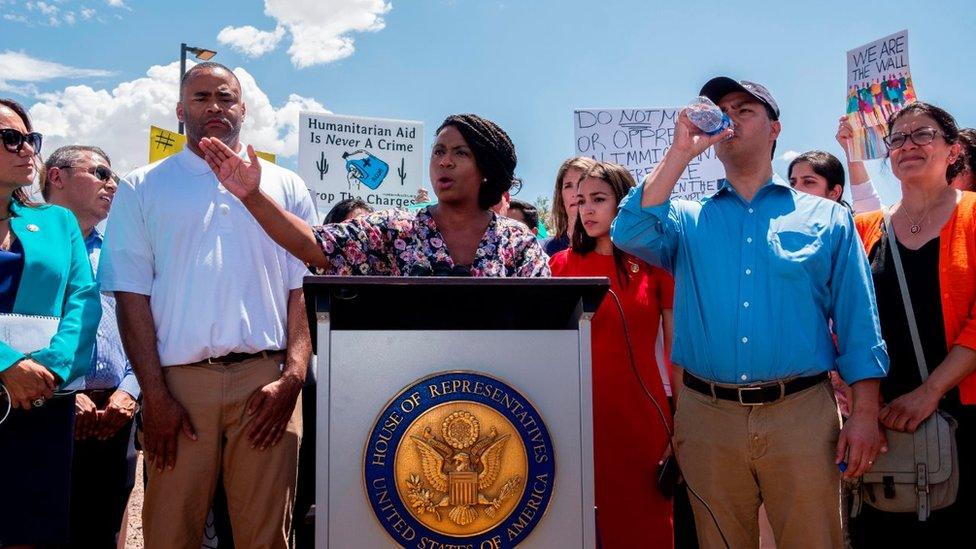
(788, 156)
(251, 41)
(118, 120)
(320, 29)
(19, 71)
(43, 7)
(53, 13)
(116, 3)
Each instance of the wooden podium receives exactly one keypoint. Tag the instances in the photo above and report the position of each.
(453, 412)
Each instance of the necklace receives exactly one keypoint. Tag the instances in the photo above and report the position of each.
(915, 227)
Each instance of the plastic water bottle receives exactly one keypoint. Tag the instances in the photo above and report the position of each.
(364, 168)
(707, 116)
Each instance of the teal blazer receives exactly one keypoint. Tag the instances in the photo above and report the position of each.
(57, 281)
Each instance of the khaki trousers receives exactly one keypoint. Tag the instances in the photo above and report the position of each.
(781, 454)
(260, 485)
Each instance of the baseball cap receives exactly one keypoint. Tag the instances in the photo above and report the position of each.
(720, 86)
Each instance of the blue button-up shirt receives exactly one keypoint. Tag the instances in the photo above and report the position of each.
(110, 367)
(757, 283)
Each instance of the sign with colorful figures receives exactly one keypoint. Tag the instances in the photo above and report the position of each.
(879, 84)
(375, 159)
(637, 139)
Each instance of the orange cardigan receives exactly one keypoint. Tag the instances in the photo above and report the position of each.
(957, 276)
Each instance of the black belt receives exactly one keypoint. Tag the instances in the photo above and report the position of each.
(233, 358)
(754, 395)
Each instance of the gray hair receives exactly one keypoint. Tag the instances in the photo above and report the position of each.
(68, 156)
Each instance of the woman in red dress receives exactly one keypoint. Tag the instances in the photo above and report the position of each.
(629, 436)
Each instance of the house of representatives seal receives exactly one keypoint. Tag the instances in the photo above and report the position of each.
(459, 460)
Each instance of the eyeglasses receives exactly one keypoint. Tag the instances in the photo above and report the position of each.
(921, 136)
(102, 173)
(14, 141)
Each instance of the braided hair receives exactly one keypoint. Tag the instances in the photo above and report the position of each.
(494, 154)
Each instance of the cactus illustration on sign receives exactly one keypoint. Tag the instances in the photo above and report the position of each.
(402, 171)
(323, 166)
(362, 168)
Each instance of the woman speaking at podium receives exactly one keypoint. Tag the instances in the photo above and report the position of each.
(629, 435)
(472, 164)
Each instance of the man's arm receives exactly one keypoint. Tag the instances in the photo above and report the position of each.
(689, 142)
(164, 417)
(275, 402)
(644, 225)
(863, 359)
(860, 439)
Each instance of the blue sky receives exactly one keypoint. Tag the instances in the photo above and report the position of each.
(524, 63)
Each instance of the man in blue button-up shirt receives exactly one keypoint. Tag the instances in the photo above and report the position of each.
(760, 272)
(80, 178)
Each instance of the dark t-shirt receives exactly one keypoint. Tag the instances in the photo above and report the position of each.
(922, 276)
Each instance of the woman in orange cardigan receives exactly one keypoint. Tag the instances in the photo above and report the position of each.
(935, 231)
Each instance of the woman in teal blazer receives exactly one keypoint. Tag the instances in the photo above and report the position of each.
(44, 270)
(56, 281)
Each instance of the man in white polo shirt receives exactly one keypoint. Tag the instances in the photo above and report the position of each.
(213, 320)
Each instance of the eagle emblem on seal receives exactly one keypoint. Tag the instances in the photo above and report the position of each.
(459, 468)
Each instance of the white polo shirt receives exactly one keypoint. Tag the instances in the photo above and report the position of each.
(217, 283)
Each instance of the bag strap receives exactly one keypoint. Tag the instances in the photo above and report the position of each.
(920, 437)
(905, 296)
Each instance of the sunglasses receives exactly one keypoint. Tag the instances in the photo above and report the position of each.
(102, 173)
(14, 141)
(921, 136)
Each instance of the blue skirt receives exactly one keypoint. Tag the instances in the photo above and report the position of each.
(35, 458)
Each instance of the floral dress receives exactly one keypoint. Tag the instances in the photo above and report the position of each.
(403, 243)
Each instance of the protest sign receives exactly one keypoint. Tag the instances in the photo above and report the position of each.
(879, 83)
(375, 159)
(638, 139)
(163, 143)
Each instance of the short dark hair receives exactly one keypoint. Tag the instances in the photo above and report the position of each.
(343, 208)
(20, 195)
(528, 210)
(947, 125)
(206, 65)
(493, 153)
(67, 156)
(823, 164)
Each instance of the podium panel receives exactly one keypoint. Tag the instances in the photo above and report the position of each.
(435, 438)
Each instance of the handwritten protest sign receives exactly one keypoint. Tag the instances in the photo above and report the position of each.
(163, 143)
(375, 159)
(879, 83)
(638, 139)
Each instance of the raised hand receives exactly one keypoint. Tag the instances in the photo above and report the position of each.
(239, 176)
(690, 140)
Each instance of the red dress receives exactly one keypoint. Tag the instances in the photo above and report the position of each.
(628, 436)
